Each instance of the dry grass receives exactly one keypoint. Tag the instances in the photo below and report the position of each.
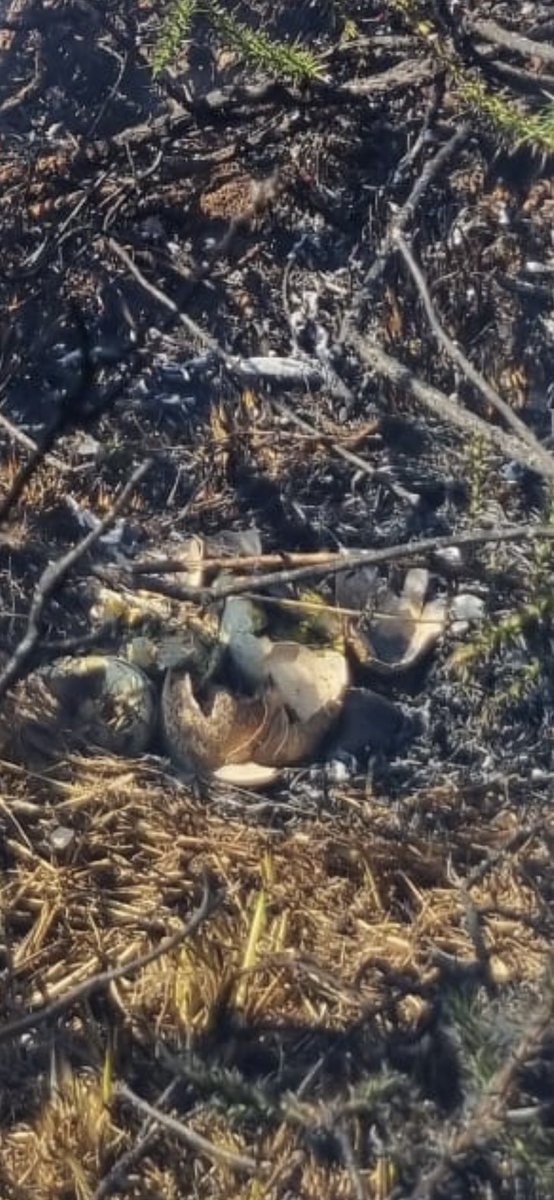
(325, 928)
(318, 1021)
(296, 1020)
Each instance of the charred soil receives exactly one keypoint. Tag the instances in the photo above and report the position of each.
(273, 292)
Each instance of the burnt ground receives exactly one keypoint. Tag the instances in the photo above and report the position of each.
(366, 1009)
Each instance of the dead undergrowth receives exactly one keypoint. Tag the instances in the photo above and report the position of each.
(363, 1006)
(315, 998)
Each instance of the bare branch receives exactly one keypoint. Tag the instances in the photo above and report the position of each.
(191, 326)
(544, 462)
(247, 370)
(239, 562)
(343, 562)
(405, 216)
(217, 1154)
(443, 406)
(51, 578)
(376, 473)
(149, 1128)
(19, 435)
(64, 419)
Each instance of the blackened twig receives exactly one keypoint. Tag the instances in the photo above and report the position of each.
(246, 370)
(424, 547)
(54, 575)
(19, 435)
(376, 473)
(444, 407)
(187, 322)
(196, 1141)
(543, 459)
(340, 1134)
(63, 420)
(149, 1128)
(429, 173)
(405, 216)
(82, 641)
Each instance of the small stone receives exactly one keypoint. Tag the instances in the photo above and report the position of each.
(466, 606)
(337, 771)
(61, 839)
(450, 557)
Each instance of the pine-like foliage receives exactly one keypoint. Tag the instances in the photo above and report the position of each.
(256, 47)
(509, 119)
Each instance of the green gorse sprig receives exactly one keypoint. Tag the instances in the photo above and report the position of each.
(257, 48)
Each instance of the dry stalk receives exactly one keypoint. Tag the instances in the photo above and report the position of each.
(103, 979)
(343, 562)
(540, 458)
(196, 1141)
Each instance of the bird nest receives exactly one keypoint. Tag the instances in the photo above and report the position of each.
(297, 339)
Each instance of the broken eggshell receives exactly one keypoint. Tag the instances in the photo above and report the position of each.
(205, 737)
(250, 776)
(241, 631)
(307, 685)
(103, 701)
(218, 738)
(276, 727)
(289, 741)
(307, 679)
(405, 629)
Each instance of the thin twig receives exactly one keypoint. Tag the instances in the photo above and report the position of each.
(53, 575)
(425, 133)
(19, 435)
(246, 370)
(217, 1154)
(319, 608)
(29, 89)
(191, 326)
(429, 173)
(445, 408)
(129, 1158)
(475, 927)
(83, 641)
(519, 839)
(423, 547)
(103, 979)
(375, 473)
(341, 1136)
(170, 566)
(65, 418)
(544, 459)
(405, 216)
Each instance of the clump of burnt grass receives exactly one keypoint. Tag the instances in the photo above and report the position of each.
(364, 1011)
(304, 1026)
